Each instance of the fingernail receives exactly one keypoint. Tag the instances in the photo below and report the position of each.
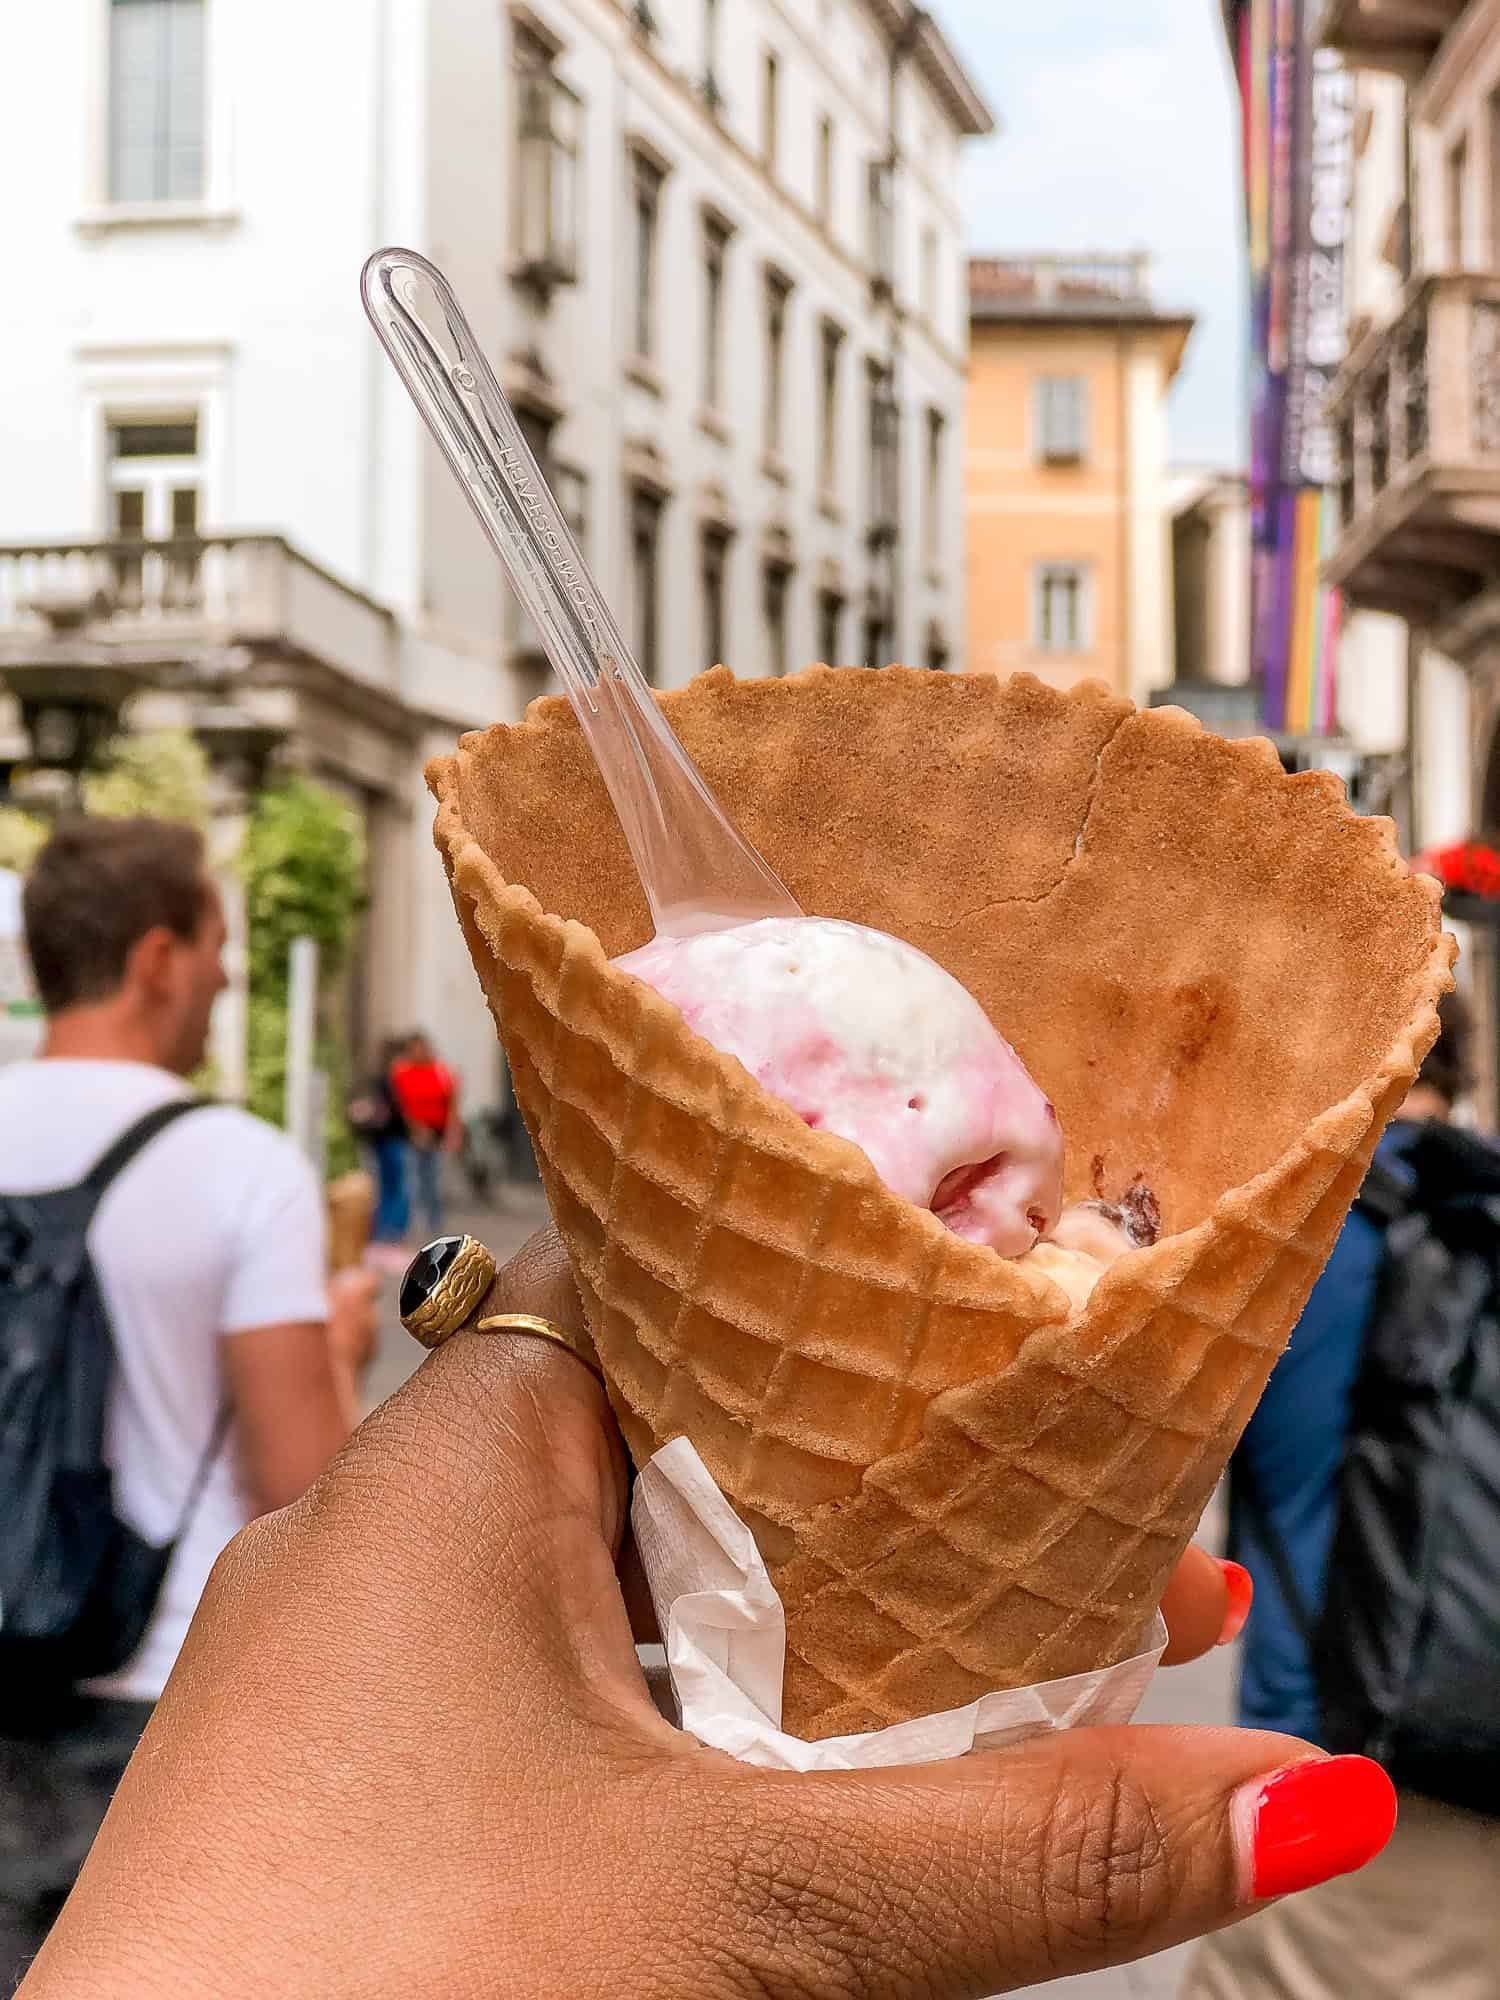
(1241, 1587)
(1312, 1821)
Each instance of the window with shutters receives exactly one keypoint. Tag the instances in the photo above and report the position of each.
(1062, 419)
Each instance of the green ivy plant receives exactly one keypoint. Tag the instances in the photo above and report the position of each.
(303, 867)
(161, 772)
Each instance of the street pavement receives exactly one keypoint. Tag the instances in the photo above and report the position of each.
(1201, 1693)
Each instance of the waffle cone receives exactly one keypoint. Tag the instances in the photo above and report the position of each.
(1224, 979)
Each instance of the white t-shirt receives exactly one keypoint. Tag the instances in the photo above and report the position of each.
(216, 1228)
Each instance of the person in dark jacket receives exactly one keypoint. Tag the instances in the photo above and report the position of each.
(1425, 1918)
(377, 1118)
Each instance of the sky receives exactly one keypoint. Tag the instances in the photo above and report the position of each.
(1119, 131)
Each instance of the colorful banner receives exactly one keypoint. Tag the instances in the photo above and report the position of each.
(1299, 106)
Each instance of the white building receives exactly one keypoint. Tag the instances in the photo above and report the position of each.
(714, 251)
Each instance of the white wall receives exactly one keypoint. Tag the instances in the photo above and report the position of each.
(1444, 752)
(1372, 681)
(336, 127)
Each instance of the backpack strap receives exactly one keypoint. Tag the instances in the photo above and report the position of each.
(99, 1181)
(133, 1140)
(205, 1465)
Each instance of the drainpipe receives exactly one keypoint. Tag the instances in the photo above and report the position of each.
(903, 43)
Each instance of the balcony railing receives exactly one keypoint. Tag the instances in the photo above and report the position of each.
(163, 601)
(1417, 415)
(1389, 34)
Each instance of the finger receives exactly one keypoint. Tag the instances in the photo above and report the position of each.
(1206, 1605)
(539, 1279)
(1079, 1850)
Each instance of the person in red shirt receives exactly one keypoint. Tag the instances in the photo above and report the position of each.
(427, 1093)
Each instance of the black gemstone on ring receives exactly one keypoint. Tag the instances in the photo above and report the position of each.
(426, 1272)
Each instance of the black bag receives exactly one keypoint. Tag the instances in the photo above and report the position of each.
(77, 1585)
(1407, 1645)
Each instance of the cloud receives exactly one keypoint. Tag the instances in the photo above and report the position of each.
(1120, 131)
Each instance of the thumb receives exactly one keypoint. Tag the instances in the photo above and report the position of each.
(1077, 1851)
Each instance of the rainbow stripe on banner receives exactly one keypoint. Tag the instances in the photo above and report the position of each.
(1298, 105)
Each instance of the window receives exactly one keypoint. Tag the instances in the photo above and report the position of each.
(1062, 418)
(778, 292)
(777, 582)
(932, 512)
(831, 343)
(929, 297)
(1060, 612)
(571, 488)
(549, 130)
(883, 441)
(521, 635)
(880, 223)
(936, 658)
(770, 110)
(877, 638)
(1458, 175)
(714, 562)
(154, 486)
(823, 190)
(713, 94)
(645, 581)
(830, 627)
(157, 94)
(648, 179)
(715, 244)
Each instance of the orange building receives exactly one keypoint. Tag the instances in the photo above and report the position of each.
(1066, 492)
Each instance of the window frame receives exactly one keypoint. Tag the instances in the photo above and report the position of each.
(716, 236)
(770, 111)
(1044, 574)
(832, 340)
(824, 170)
(776, 576)
(648, 178)
(108, 201)
(714, 541)
(556, 257)
(934, 469)
(1071, 448)
(646, 506)
(776, 304)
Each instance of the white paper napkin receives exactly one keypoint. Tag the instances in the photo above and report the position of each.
(725, 1637)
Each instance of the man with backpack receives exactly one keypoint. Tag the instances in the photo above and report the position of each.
(169, 1368)
(1365, 1501)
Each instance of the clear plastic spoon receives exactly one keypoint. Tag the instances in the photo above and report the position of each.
(698, 871)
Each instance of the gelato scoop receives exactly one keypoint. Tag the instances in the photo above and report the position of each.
(867, 1037)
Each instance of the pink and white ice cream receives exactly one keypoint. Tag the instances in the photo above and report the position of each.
(867, 1037)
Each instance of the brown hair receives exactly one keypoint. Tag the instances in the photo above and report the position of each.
(95, 890)
(1448, 1069)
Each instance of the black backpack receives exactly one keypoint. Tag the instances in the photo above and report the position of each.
(1407, 1645)
(77, 1585)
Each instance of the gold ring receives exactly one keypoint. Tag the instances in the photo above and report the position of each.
(577, 1344)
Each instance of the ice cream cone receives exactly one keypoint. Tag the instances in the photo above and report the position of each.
(1224, 979)
(351, 1211)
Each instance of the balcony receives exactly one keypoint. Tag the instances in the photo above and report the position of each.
(163, 609)
(1417, 415)
(1399, 35)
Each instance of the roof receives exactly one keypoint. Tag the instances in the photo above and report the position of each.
(1053, 288)
(938, 62)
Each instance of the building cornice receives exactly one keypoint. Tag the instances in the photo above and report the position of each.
(1452, 66)
(938, 62)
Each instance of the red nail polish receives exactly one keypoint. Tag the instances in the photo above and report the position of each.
(1241, 1588)
(1316, 1820)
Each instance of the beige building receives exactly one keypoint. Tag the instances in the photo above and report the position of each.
(1417, 405)
(714, 251)
(1069, 532)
